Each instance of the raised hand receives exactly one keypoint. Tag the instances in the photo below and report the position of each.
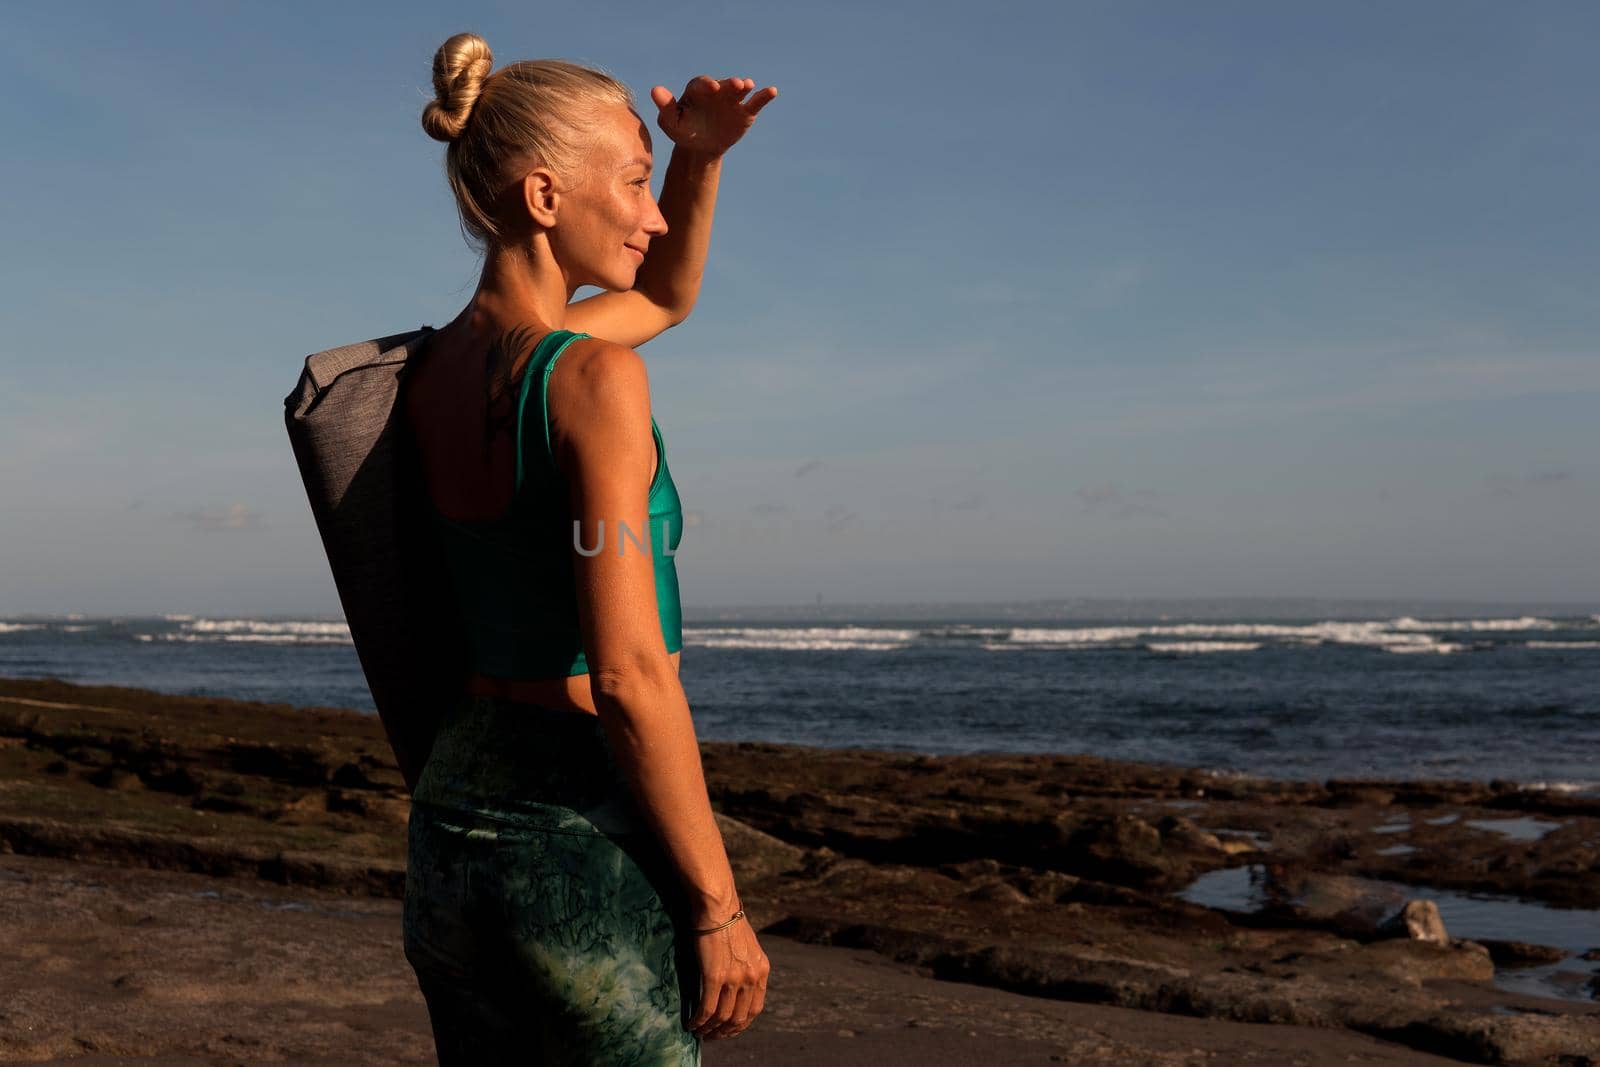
(710, 115)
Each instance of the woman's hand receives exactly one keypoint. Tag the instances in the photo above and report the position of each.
(733, 981)
(711, 115)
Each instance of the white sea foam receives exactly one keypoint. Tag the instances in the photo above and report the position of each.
(1075, 635)
(259, 626)
(962, 631)
(254, 631)
(260, 639)
(1372, 633)
(799, 638)
(18, 627)
(1203, 646)
(1562, 644)
(1525, 622)
(1563, 787)
(1018, 646)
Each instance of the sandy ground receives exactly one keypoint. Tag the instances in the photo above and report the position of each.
(109, 964)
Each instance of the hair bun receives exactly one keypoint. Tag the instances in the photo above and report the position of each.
(459, 68)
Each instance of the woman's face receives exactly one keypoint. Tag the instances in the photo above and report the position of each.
(606, 220)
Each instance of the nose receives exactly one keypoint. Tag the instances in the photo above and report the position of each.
(656, 224)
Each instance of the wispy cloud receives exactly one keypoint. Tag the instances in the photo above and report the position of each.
(1222, 389)
(1516, 484)
(233, 517)
(1095, 287)
(1108, 498)
(839, 518)
(1112, 285)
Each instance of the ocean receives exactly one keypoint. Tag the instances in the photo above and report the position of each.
(1308, 690)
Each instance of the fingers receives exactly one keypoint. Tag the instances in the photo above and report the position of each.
(704, 87)
(760, 100)
(711, 993)
(738, 1018)
(743, 998)
(700, 87)
(753, 105)
(758, 1002)
(742, 86)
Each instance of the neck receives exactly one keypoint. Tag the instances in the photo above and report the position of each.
(518, 286)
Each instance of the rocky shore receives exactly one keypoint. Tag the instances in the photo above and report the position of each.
(1180, 901)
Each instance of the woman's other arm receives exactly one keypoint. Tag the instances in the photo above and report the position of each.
(703, 124)
(607, 455)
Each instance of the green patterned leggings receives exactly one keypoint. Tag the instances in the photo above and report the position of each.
(541, 915)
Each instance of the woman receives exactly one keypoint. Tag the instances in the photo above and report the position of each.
(568, 897)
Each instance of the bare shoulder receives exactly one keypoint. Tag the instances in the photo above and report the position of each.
(599, 397)
(594, 373)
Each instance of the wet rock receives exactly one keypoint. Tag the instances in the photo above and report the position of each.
(166, 776)
(389, 809)
(972, 870)
(294, 810)
(1181, 832)
(230, 787)
(1567, 1042)
(1123, 849)
(345, 800)
(88, 755)
(997, 892)
(1347, 793)
(1418, 920)
(294, 764)
(352, 776)
(212, 801)
(755, 855)
(112, 777)
(1510, 954)
(1352, 906)
(1416, 960)
(1045, 886)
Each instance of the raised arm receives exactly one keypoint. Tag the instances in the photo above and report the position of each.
(710, 117)
(668, 281)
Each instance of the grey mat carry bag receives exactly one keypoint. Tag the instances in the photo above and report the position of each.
(363, 479)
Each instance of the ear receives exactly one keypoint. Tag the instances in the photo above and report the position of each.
(540, 197)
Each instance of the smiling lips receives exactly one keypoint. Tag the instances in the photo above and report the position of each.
(633, 249)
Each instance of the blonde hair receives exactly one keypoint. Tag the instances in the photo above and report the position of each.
(524, 115)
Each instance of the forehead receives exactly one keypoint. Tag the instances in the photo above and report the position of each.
(626, 137)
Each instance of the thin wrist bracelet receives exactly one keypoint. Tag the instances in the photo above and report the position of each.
(722, 926)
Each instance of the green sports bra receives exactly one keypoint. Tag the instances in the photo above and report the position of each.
(514, 576)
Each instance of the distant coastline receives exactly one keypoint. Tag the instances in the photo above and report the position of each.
(1081, 608)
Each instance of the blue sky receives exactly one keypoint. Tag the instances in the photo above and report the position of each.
(1004, 300)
